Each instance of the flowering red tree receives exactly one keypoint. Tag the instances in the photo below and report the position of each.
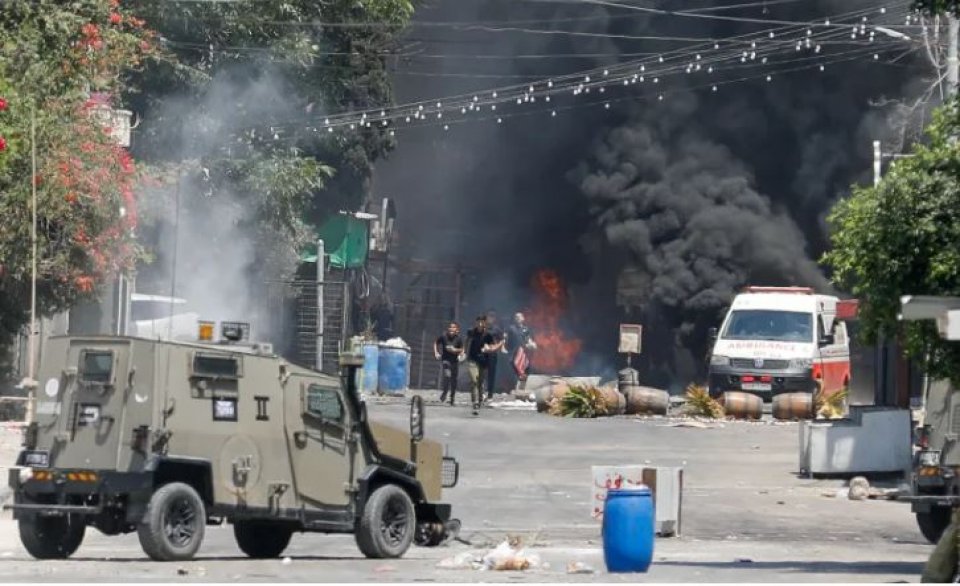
(59, 63)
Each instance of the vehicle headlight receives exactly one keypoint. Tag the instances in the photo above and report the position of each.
(717, 360)
(930, 459)
(801, 363)
(450, 473)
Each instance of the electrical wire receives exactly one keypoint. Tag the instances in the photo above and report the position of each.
(664, 64)
(806, 64)
(746, 38)
(658, 97)
(458, 24)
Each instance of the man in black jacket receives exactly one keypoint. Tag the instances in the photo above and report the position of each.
(448, 349)
(479, 347)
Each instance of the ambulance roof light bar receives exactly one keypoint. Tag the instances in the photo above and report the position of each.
(799, 290)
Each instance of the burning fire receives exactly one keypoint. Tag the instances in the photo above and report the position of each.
(555, 352)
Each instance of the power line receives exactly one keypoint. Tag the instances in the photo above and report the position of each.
(554, 110)
(418, 111)
(458, 24)
(746, 47)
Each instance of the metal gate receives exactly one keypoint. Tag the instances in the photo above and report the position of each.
(300, 335)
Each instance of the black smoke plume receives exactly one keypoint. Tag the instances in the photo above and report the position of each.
(657, 212)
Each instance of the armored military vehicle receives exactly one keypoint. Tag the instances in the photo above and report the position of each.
(164, 438)
(936, 462)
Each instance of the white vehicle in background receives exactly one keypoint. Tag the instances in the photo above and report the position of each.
(158, 317)
(777, 340)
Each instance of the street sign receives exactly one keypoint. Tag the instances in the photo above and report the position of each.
(630, 335)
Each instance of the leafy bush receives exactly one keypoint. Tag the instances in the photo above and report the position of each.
(701, 404)
(829, 405)
(579, 402)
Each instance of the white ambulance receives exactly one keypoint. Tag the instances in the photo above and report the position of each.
(778, 340)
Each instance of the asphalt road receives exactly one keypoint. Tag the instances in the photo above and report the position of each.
(747, 517)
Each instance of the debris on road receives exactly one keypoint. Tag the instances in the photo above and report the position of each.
(859, 489)
(182, 571)
(287, 561)
(840, 493)
(461, 561)
(694, 424)
(579, 568)
(510, 556)
(514, 405)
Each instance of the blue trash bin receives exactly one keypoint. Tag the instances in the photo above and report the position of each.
(371, 363)
(628, 530)
(393, 370)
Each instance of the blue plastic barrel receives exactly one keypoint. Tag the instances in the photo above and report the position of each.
(628, 530)
(394, 370)
(371, 364)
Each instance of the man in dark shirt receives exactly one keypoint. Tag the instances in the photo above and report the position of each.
(498, 340)
(448, 349)
(520, 340)
(479, 348)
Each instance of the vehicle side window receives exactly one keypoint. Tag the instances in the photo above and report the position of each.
(96, 367)
(324, 403)
(215, 366)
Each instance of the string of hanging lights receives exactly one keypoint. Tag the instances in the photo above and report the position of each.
(762, 55)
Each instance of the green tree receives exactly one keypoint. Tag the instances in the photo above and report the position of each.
(902, 237)
(248, 86)
(937, 7)
(59, 64)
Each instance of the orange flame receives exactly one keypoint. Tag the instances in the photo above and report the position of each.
(556, 353)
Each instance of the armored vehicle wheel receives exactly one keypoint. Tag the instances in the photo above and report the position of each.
(388, 523)
(51, 538)
(172, 528)
(262, 539)
(933, 523)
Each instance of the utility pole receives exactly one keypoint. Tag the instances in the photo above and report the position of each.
(321, 279)
(953, 60)
(877, 163)
(32, 359)
(880, 356)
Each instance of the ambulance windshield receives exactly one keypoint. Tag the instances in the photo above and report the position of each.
(770, 325)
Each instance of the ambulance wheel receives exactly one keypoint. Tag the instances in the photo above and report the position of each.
(261, 540)
(933, 523)
(388, 524)
(51, 538)
(172, 528)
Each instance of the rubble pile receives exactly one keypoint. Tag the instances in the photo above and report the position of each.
(509, 556)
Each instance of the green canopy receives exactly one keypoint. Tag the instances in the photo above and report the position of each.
(345, 241)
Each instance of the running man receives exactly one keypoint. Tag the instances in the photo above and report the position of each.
(448, 349)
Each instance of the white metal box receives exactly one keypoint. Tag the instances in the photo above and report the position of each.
(871, 440)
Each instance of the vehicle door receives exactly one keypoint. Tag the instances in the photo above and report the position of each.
(834, 354)
(88, 397)
(320, 440)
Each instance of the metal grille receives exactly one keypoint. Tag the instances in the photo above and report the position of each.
(296, 301)
(767, 364)
(428, 300)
